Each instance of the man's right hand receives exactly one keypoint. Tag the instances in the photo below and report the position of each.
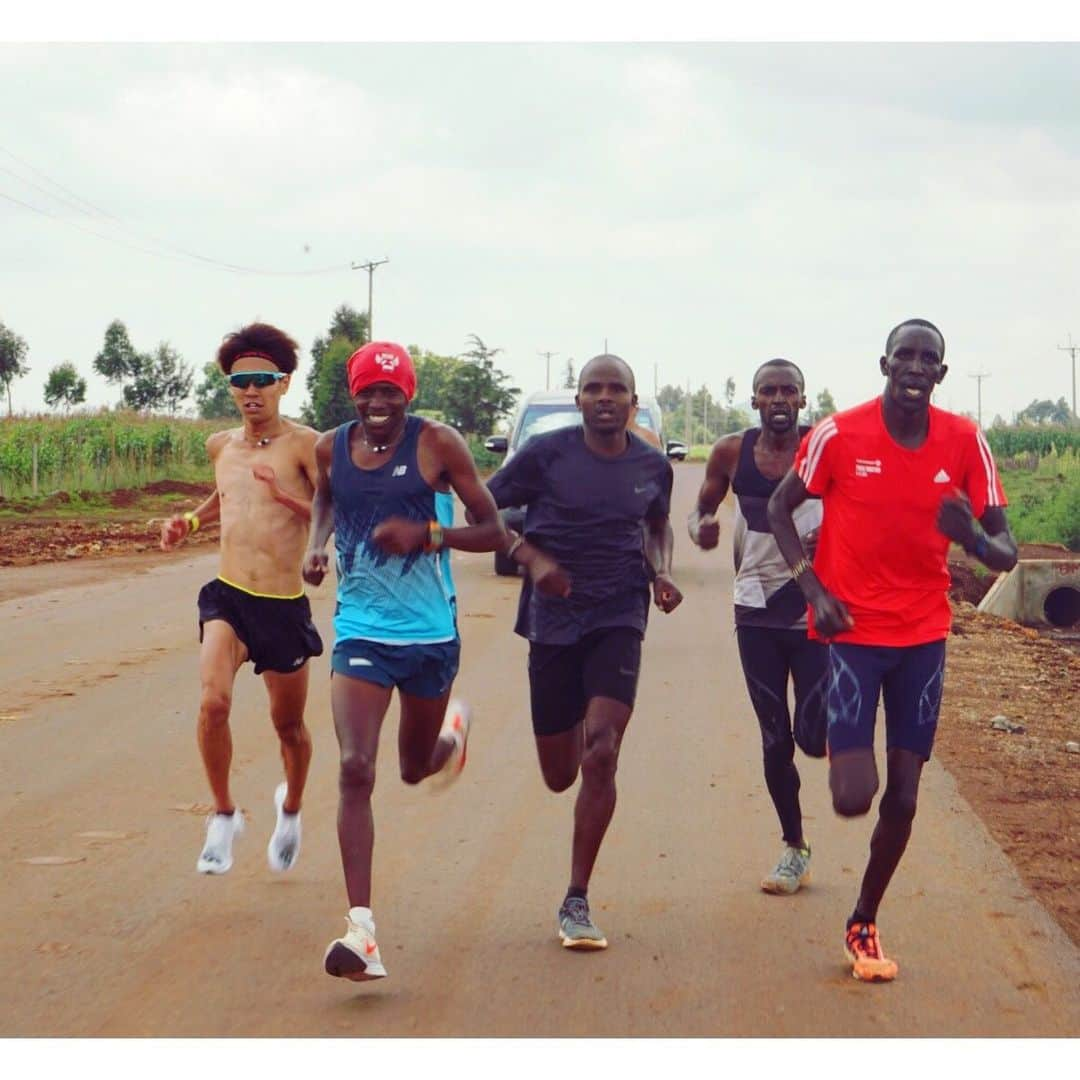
(704, 529)
(547, 575)
(173, 530)
(830, 616)
(315, 567)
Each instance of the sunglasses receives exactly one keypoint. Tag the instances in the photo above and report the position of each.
(262, 379)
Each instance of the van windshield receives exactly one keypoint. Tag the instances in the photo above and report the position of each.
(540, 419)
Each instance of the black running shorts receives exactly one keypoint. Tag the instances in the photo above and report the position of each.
(277, 631)
(563, 678)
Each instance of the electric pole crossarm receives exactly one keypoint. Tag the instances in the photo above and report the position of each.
(370, 268)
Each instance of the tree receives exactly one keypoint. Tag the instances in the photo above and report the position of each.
(570, 382)
(477, 394)
(825, 404)
(117, 360)
(433, 375)
(64, 387)
(161, 380)
(212, 394)
(347, 325)
(331, 403)
(13, 350)
(729, 391)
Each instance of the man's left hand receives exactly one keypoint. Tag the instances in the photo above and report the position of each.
(956, 520)
(266, 474)
(400, 536)
(666, 594)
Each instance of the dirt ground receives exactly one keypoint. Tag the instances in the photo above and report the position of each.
(1023, 783)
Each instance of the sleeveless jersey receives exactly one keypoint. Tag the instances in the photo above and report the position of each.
(391, 599)
(765, 592)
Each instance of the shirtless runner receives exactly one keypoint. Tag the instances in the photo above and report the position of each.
(255, 609)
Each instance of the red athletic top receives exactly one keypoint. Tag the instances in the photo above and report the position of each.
(880, 550)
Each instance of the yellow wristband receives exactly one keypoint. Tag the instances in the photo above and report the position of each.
(193, 522)
(801, 567)
(435, 537)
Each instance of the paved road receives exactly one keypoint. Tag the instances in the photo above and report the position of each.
(96, 737)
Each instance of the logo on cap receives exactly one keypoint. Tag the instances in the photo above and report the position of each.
(387, 361)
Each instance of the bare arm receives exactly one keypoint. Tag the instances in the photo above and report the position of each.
(296, 503)
(180, 526)
(316, 561)
(830, 615)
(659, 546)
(703, 526)
(988, 539)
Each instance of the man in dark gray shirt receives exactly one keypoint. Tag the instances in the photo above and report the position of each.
(596, 531)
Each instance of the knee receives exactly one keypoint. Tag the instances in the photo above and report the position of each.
(290, 730)
(778, 754)
(852, 798)
(214, 708)
(412, 773)
(357, 774)
(600, 760)
(559, 780)
(898, 805)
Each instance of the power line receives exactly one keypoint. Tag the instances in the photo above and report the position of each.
(219, 263)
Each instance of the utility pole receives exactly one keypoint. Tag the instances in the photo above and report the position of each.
(978, 377)
(370, 268)
(655, 380)
(1073, 349)
(547, 378)
(689, 415)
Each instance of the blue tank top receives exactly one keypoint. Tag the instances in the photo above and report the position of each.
(392, 599)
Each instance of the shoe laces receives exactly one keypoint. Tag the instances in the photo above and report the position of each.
(863, 939)
(577, 908)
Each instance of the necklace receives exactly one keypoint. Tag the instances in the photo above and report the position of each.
(266, 440)
(379, 448)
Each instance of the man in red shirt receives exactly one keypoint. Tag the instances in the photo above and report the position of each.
(898, 479)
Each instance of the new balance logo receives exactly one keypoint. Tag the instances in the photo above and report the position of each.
(942, 477)
(400, 470)
(298, 661)
(867, 466)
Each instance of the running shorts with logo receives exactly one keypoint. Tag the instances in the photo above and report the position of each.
(910, 678)
(563, 678)
(424, 671)
(277, 631)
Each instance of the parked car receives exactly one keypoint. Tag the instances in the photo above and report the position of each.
(676, 449)
(544, 411)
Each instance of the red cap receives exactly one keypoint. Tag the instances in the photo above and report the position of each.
(382, 361)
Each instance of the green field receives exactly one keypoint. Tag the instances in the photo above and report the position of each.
(94, 453)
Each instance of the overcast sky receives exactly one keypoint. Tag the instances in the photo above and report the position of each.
(701, 207)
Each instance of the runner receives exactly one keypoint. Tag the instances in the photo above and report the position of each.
(899, 478)
(255, 609)
(770, 612)
(596, 520)
(384, 485)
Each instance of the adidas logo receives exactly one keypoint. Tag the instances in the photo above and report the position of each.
(942, 477)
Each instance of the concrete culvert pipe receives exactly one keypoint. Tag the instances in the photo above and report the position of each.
(1062, 606)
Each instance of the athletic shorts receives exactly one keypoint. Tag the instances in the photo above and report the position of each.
(424, 671)
(277, 631)
(563, 678)
(769, 656)
(910, 679)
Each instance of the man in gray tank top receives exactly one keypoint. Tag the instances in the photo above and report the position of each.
(770, 612)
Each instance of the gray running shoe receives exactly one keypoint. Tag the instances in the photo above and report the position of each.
(576, 929)
(792, 871)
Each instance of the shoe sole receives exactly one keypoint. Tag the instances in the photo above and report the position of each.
(446, 776)
(343, 963)
(770, 887)
(213, 868)
(875, 978)
(582, 944)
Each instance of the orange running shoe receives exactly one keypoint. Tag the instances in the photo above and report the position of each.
(456, 725)
(862, 947)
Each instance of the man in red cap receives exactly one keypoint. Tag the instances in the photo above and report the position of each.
(384, 490)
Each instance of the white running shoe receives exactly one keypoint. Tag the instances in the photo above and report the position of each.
(456, 724)
(221, 830)
(356, 955)
(284, 846)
